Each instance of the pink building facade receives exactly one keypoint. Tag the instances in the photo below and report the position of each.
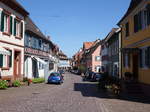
(93, 58)
(96, 60)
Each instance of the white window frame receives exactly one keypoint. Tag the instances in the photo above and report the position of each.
(5, 61)
(144, 66)
(6, 23)
(18, 28)
(97, 58)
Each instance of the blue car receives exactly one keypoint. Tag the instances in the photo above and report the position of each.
(55, 78)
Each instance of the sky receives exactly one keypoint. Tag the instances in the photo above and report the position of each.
(69, 23)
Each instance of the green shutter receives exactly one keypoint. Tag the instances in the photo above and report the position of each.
(1, 60)
(14, 27)
(11, 25)
(2, 22)
(22, 29)
(10, 59)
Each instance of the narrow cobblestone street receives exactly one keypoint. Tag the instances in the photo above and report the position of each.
(72, 96)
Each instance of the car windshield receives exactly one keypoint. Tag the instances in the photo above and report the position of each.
(55, 74)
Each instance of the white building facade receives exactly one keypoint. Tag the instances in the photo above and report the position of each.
(12, 40)
(37, 50)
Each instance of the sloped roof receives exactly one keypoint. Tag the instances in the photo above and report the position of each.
(62, 55)
(32, 28)
(87, 45)
(15, 6)
(132, 6)
(95, 45)
(114, 30)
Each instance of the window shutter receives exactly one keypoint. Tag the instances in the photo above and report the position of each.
(11, 25)
(22, 32)
(127, 29)
(14, 27)
(128, 59)
(1, 60)
(10, 59)
(124, 61)
(139, 21)
(148, 57)
(148, 17)
(2, 22)
(140, 58)
(135, 23)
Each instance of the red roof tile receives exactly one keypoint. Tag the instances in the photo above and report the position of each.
(87, 45)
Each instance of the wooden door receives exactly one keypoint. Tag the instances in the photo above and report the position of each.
(17, 64)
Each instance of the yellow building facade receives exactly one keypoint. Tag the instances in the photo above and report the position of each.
(135, 27)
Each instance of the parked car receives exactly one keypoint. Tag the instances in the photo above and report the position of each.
(89, 75)
(96, 77)
(75, 71)
(56, 78)
(61, 72)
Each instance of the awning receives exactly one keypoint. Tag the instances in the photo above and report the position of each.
(40, 60)
(4, 51)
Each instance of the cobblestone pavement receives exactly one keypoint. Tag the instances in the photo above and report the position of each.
(72, 96)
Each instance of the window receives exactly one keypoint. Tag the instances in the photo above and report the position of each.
(144, 19)
(147, 57)
(51, 66)
(26, 40)
(6, 60)
(40, 43)
(18, 28)
(97, 58)
(142, 58)
(148, 14)
(6, 26)
(33, 40)
(126, 60)
(141, 20)
(5, 22)
(138, 22)
(127, 29)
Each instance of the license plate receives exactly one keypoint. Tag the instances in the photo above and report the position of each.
(53, 81)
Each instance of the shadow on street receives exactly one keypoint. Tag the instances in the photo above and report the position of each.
(91, 90)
